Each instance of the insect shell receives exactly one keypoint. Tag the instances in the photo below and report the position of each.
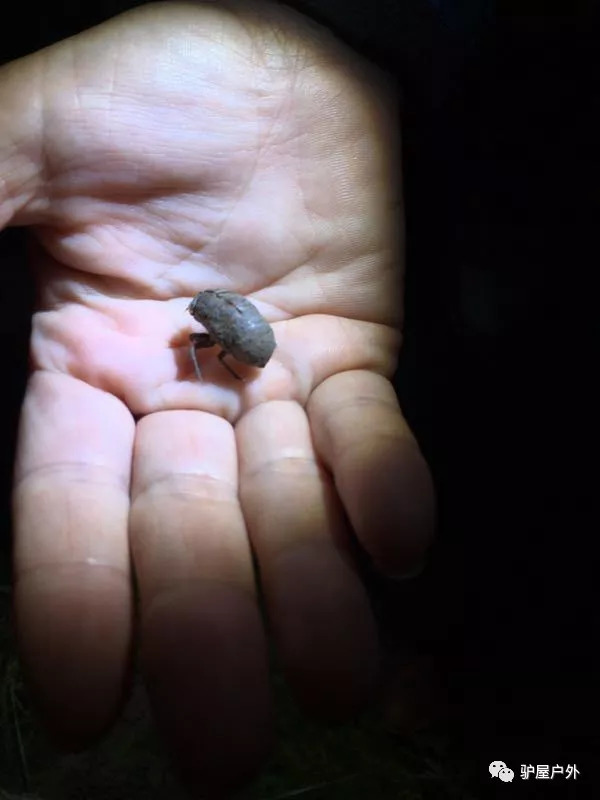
(233, 323)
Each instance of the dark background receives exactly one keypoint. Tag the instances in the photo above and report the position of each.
(497, 376)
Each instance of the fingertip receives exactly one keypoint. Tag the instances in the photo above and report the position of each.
(325, 631)
(380, 473)
(75, 648)
(205, 665)
(401, 527)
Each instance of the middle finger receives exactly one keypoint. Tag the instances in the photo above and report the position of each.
(203, 646)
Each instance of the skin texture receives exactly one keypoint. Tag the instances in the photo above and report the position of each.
(177, 148)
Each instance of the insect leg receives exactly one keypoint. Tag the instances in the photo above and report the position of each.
(198, 341)
(222, 355)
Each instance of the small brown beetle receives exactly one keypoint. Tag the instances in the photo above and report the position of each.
(233, 323)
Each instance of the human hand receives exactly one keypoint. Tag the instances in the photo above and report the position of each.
(179, 148)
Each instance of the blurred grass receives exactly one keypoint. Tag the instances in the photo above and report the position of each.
(311, 761)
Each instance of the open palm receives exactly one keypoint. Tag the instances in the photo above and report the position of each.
(180, 148)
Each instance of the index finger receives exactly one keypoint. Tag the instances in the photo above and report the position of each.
(73, 596)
